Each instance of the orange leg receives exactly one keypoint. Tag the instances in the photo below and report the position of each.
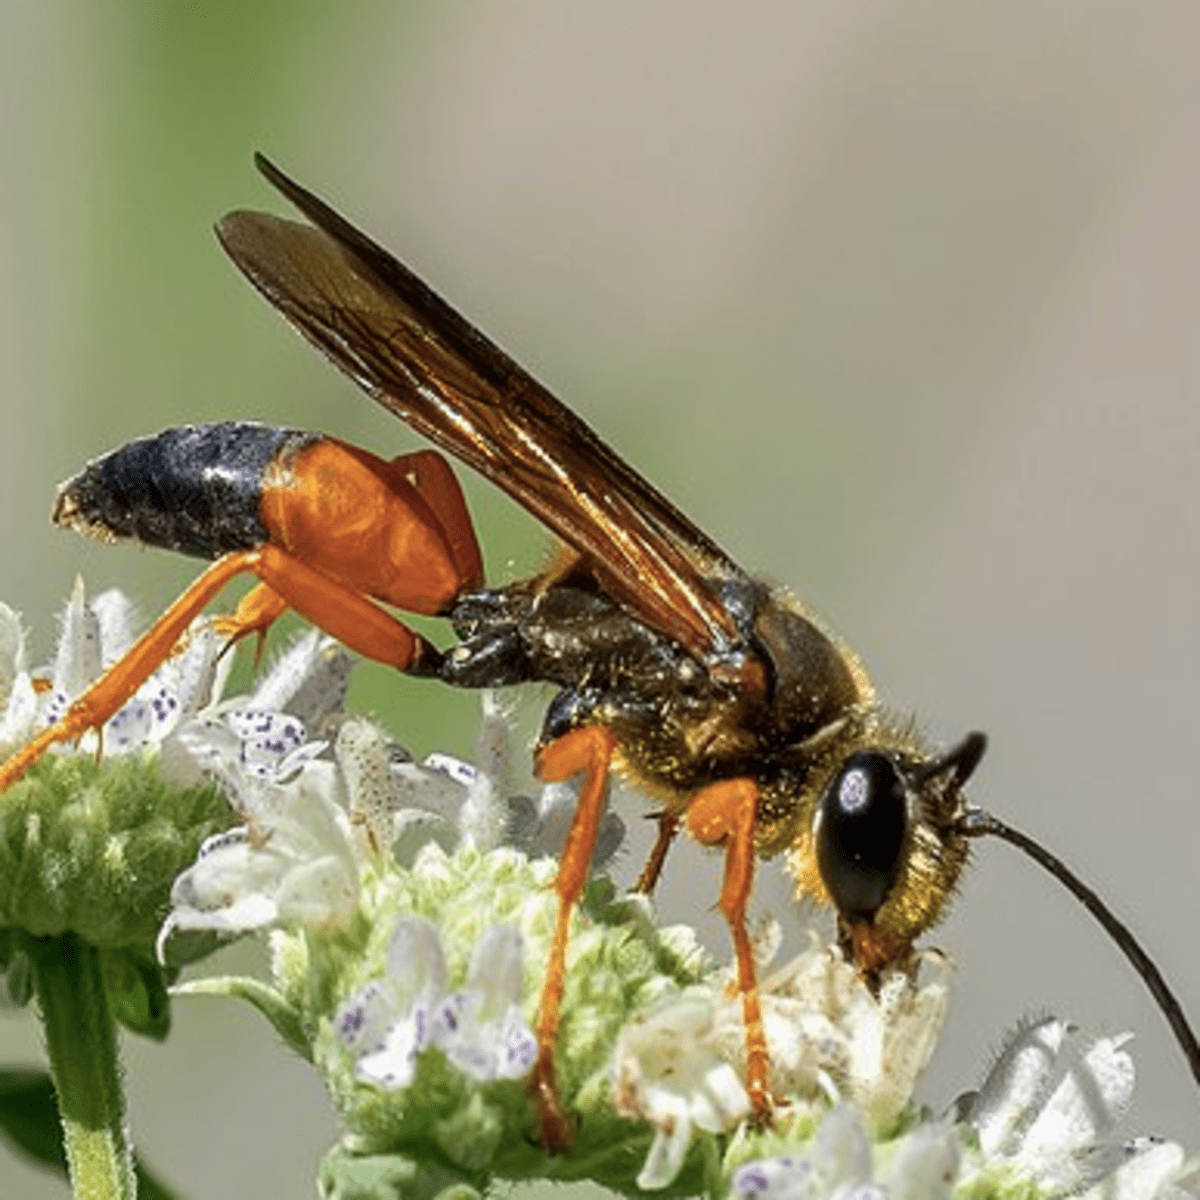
(723, 814)
(588, 750)
(259, 609)
(361, 625)
(668, 827)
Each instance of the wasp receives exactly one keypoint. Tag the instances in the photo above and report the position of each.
(752, 723)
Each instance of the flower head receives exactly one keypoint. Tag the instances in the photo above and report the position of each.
(680, 1065)
(1048, 1109)
(91, 845)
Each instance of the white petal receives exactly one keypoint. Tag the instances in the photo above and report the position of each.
(926, 1164)
(720, 1101)
(494, 974)
(21, 713)
(416, 966)
(12, 650)
(129, 727)
(491, 743)
(1147, 1173)
(78, 659)
(1016, 1084)
(242, 916)
(395, 1065)
(462, 1039)
(481, 1029)
(463, 773)
(415, 786)
(483, 817)
(777, 1179)
(556, 811)
(518, 1046)
(117, 620)
(667, 1152)
(362, 1022)
(195, 674)
(309, 680)
(318, 892)
(1082, 1110)
(841, 1153)
(267, 736)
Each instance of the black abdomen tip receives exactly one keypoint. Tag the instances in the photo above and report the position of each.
(195, 489)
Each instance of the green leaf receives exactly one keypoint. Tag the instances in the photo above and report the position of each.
(29, 1116)
(30, 1122)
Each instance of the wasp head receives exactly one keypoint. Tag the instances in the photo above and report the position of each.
(885, 846)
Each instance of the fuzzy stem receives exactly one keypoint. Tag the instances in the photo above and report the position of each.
(81, 1040)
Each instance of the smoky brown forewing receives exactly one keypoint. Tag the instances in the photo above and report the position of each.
(417, 356)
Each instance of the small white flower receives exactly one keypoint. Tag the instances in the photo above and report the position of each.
(831, 1037)
(1048, 1112)
(263, 738)
(667, 1070)
(481, 1028)
(295, 864)
(472, 804)
(387, 1023)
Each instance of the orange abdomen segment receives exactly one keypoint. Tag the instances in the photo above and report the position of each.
(364, 522)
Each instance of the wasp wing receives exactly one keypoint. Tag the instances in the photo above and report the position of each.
(412, 352)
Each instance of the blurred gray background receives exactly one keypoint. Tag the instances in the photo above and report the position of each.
(899, 301)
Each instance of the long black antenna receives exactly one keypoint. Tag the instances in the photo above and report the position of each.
(975, 823)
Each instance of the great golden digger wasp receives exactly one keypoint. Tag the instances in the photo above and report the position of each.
(727, 699)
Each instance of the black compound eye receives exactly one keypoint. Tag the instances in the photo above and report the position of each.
(863, 820)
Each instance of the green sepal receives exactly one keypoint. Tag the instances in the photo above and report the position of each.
(344, 1175)
(93, 848)
(137, 993)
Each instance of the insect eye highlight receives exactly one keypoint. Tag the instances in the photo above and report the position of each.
(861, 827)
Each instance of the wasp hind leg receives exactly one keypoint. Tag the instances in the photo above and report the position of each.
(346, 614)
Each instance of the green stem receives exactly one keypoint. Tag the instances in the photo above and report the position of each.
(81, 1039)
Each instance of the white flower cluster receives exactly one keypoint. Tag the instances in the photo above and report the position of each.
(332, 814)
(312, 825)
(1041, 1125)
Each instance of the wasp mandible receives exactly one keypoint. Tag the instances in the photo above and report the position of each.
(729, 701)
